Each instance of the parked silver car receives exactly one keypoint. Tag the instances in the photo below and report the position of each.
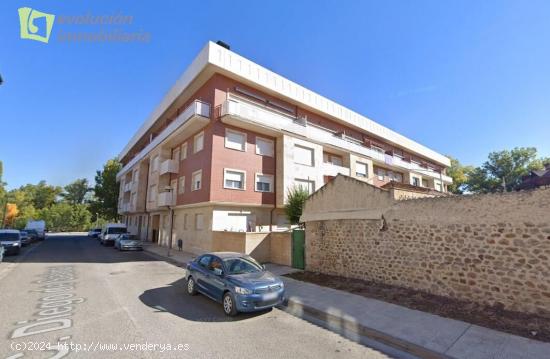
(10, 240)
(128, 242)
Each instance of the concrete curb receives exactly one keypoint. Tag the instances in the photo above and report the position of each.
(347, 325)
(164, 258)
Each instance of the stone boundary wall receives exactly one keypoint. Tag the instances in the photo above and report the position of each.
(486, 248)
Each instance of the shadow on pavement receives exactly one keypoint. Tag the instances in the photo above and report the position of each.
(174, 299)
(75, 249)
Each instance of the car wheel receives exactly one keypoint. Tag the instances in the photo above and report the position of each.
(191, 290)
(229, 307)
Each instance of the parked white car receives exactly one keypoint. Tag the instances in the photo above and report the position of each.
(110, 232)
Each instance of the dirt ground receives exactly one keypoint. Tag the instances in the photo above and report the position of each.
(531, 326)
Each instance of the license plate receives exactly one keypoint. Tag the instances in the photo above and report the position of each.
(270, 296)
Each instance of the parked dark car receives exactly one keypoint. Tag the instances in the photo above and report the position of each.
(94, 232)
(128, 242)
(236, 280)
(25, 239)
(33, 234)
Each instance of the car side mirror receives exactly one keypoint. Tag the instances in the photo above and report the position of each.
(218, 272)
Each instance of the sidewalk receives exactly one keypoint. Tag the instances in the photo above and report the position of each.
(418, 333)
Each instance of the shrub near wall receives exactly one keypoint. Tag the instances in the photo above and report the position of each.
(486, 248)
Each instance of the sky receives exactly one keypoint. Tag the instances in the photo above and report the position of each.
(461, 77)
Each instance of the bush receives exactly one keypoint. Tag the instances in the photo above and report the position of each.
(295, 203)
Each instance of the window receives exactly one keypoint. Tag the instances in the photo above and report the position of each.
(198, 142)
(199, 221)
(233, 179)
(183, 151)
(438, 186)
(396, 177)
(185, 221)
(197, 179)
(215, 264)
(416, 181)
(152, 193)
(424, 183)
(264, 183)
(334, 159)
(235, 140)
(156, 163)
(176, 154)
(303, 155)
(135, 176)
(204, 261)
(361, 169)
(181, 185)
(377, 149)
(305, 184)
(264, 147)
(381, 174)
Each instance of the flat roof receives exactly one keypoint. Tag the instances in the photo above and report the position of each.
(237, 67)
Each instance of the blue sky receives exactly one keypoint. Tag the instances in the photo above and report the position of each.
(461, 77)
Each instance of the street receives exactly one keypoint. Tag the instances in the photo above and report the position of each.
(73, 296)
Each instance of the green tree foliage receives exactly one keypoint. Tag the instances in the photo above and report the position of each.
(295, 203)
(105, 201)
(459, 174)
(42, 194)
(64, 217)
(76, 192)
(503, 170)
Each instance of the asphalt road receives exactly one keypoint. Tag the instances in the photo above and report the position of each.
(70, 296)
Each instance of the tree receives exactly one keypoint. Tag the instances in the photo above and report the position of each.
(503, 170)
(295, 203)
(459, 174)
(105, 201)
(42, 195)
(75, 192)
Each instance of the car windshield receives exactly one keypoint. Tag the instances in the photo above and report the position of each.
(128, 237)
(242, 265)
(23, 233)
(116, 230)
(9, 236)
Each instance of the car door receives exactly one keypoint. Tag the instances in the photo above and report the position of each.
(214, 279)
(201, 272)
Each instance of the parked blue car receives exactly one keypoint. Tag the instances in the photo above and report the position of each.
(236, 280)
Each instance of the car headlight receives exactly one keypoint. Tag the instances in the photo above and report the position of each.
(241, 290)
(16, 244)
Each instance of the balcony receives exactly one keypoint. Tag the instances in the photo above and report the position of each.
(165, 199)
(330, 169)
(192, 119)
(169, 166)
(265, 120)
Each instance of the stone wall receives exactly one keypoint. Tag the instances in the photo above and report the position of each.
(486, 248)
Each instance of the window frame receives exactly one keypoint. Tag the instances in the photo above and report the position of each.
(305, 148)
(259, 138)
(312, 182)
(244, 145)
(225, 170)
(193, 188)
(198, 135)
(199, 215)
(181, 184)
(270, 184)
(366, 174)
(183, 153)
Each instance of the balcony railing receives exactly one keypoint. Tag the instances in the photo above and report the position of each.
(330, 169)
(267, 118)
(169, 166)
(196, 108)
(165, 199)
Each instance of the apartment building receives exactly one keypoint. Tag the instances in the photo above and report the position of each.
(229, 140)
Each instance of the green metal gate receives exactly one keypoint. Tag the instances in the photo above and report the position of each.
(298, 248)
